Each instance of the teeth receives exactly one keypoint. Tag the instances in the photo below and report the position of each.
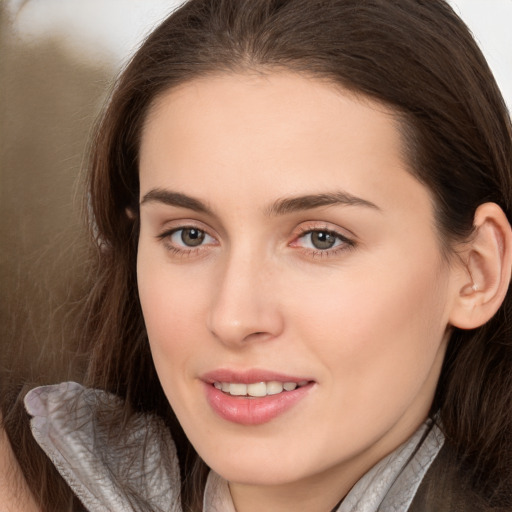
(237, 389)
(258, 389)
(274, 387)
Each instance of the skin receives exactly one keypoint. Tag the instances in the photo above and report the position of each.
(366, 321)
(15, 496)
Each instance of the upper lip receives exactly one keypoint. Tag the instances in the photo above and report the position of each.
(249, 376)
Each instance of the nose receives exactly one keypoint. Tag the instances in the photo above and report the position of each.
(245, 306)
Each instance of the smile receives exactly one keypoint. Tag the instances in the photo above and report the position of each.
(254, 397)
(257, 389)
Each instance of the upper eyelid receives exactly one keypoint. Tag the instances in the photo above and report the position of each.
(338, 235)
(171, 231)
(311, 226)
(316, 230)
(171, 226)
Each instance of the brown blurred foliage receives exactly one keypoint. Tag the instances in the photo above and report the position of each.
(48, 103)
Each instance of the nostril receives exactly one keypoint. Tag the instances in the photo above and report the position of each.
(256, 334)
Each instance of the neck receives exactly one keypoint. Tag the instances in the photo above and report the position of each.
(321, 493)
(254, 499)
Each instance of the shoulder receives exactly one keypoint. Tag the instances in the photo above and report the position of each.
(444, 489)
(15, 495)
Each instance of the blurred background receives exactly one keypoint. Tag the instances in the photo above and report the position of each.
(58, 60)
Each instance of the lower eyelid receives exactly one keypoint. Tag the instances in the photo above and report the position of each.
(342, 245)
(181, 249)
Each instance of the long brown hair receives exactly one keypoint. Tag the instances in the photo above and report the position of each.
(415, 56)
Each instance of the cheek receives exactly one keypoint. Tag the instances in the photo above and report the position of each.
(171, 302)
(173, 308)
(378, 326)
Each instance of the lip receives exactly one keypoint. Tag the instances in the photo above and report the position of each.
(248, 376)
(252, 410)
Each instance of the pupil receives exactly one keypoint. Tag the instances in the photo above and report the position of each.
(322, 239)
(192, 237)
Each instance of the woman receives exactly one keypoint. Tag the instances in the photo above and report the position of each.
(301, 213)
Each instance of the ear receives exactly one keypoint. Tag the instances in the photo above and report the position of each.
(483, 278)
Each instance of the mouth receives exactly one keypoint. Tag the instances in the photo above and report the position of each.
(254, 397)
(258, 389)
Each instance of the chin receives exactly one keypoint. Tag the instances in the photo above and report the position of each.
(262, 475)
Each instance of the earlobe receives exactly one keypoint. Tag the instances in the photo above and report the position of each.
(483, 280)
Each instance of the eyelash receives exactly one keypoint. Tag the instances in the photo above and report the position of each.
(183, 251)
(343, 242)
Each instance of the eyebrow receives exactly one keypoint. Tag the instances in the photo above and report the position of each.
(309, 202)
(168, 197)
(280, 207)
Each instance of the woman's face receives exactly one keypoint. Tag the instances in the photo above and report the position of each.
(289, 258)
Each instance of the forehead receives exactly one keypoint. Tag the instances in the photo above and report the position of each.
(299, 103)
(275, 134)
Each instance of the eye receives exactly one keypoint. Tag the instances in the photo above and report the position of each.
(189, 237)
(186, 240)
(324, 241)
(321, 240)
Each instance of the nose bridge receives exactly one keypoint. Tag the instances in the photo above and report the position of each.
(244, 304)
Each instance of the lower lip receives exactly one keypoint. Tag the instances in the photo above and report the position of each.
(253, 410)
